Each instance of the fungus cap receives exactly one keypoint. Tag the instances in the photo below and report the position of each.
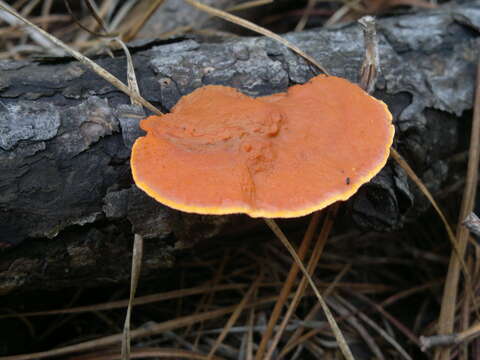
(285, 155)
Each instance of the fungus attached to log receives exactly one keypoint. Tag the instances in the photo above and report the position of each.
(285, 155)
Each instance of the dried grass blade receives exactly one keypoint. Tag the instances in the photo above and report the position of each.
(131, 77)
(91, 6)
(289, 282)
(306, 14)
(292, 342)
(121, 13)
(135, 276)
(132, 32)
(409, 334)
(371, 62)
(338, 15)
(84, 60)
(159, 353)
(234, 317)
(254, 27)
(249, 334)
(312, 264)
(411, 174)
(28, 8)
(137, 333)
(375, 327)
(207, 298)
(342, 343)
(12, 19)
(99, 20)
(46, 8)
(350, 317)
(148, 299)
(447, 313)
(249, 4)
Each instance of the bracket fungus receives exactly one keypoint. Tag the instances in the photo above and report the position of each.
(285, 155)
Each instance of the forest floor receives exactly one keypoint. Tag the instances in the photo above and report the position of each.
(385, 290)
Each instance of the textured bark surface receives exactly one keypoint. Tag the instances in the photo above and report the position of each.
(65, 137)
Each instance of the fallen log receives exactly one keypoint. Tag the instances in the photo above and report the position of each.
(65, 135)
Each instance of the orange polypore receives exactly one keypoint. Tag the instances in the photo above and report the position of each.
(285, 155)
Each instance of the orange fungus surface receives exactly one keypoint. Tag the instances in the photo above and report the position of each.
(285, 155)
